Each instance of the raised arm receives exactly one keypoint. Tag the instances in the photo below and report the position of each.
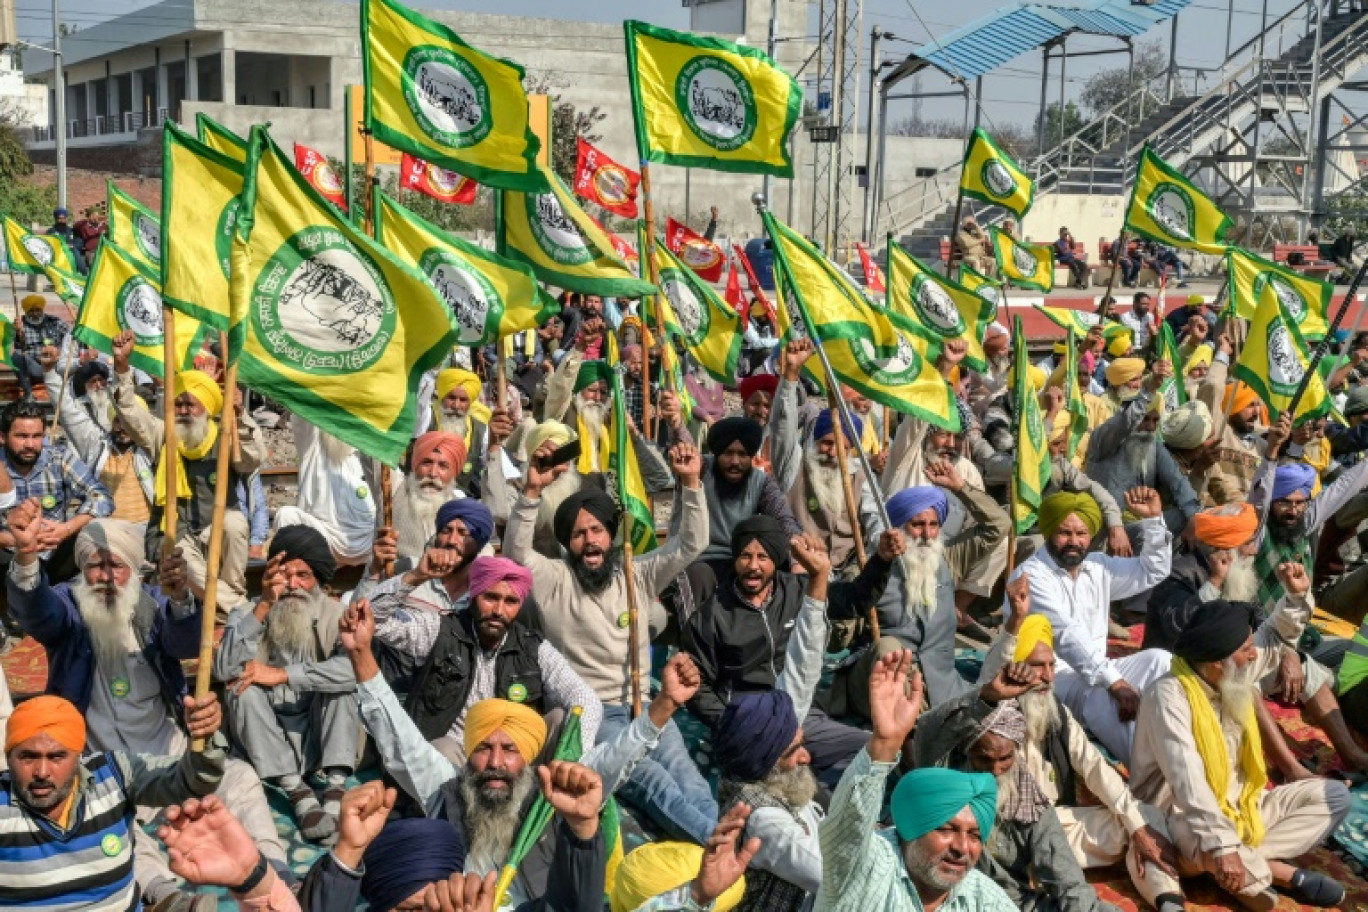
(145, 428)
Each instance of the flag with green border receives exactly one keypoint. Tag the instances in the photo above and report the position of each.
(711, 330)
(6, 341)
(625, 482)
(490, 296)
(1305, 299)
(943, 308)
(550, 233)
(1166, 207)
(708, 103)
(68, 286)
(1174, 391)
(430, 94)
(1033, 465)
(29, 253)
(133, 227)
(981, 285)
(1074, 404)
(990, 176)
(1081, 321)
(338, 329)
(1029, 265)
(1274, 359)
(122, 293)
(221, 139)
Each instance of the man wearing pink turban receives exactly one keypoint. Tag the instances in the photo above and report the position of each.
(484, 632)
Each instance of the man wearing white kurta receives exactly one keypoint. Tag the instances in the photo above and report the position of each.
(334, 497)
(1074, 589)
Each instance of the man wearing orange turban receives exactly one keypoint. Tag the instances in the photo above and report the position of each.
(437, 461)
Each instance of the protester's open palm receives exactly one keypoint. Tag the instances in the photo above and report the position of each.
(895, 696)
(724, 859)
(206, 844)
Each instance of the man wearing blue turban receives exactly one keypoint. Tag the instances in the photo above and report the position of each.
(941, 820)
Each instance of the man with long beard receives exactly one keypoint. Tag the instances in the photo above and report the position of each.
(917, 609)
(198, 402)
(486, 797)
(456, 411)
(114, 649)
(1127, 452)
(584, 602)
(1074, 590)
(435, 462)
(748, 618)
(1198, 758)
(291, 695)
(1238, 449)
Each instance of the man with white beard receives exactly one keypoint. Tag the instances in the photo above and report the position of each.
(917, 610)
(334, 497)
(1198, 758)
(291, 695)
(1127, 452)
(1028, 854)
(434, 464)
(198, 402)
(457, 410)
(114, 649)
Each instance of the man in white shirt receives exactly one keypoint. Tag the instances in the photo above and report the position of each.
(1074, 589)
(1140, 320)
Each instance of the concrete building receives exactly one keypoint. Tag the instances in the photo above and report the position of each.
(21, 102)
(251, 61)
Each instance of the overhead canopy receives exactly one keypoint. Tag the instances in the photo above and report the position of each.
(981, 47)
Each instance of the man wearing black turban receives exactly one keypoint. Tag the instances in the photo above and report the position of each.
(752, 622)
(291, 697)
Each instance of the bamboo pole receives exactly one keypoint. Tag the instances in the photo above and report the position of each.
(652, 270)
(633, 615)
(954, 227)
(386, 484)
(170, 451)
(14, 294)
(61, 390)
(1121, 243)
(843, 462)
(349, 124)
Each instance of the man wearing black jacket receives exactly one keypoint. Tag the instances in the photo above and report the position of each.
(739, 634)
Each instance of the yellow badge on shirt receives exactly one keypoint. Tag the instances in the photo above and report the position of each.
(111, 845)
(624, 620)
(49, 502)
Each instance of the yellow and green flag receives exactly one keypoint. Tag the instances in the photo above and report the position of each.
(201, 203)
(874, 351)
(32, 253)
(122, 293)
(711, 330)
(990, 176)
(69, 286)
(1274, 359)
(430, 94)
(6, 341)
(489, 296)
(1033, 468)
(1306, 300)
(1174, 391)
(1166, 207)
(1074, 404)
(707, 103)
(1030, 265)
(981, 285)
(134, 228)
(1080, 322)
(221, 139)
(942, 308)
(549, 232)
(338, 330)
(625, 473)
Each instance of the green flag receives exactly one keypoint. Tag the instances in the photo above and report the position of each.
(1173, 390)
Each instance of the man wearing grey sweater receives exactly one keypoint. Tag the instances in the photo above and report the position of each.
(584, 614)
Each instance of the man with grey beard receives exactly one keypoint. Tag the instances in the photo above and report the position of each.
(1197, 757)
(1127, 452)
(434, 465)
(291, 695)
(114, 649)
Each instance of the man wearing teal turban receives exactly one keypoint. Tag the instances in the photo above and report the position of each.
(941, 818)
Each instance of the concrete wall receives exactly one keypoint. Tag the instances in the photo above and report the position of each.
(1088, 217)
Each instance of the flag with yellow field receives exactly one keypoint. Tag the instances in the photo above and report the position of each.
(1274, 360)
(30, 253)
(981, 285)
(1029, 265)
(68, 286)
(711, 330)
(337, 329)
(707, 103)
(1305, 299)
(490, 296)
(133, 227)
(943, 309)
(625, 481)
(1033, 467)
(432, 95)
(990, 176)
(219, 138)
(1168, 208)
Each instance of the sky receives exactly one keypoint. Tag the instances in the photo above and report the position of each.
(1011, 95)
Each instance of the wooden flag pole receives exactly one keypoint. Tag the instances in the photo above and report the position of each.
(633, 615)
(14, 294)
(648, 252)
(843, 462)
(170, 452)
(348, 116)
(954, 227)
(1121, 243)
(386, 485)
(230, 390)
(61, 391)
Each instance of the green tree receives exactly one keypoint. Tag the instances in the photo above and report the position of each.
(568, 124)
(1106, 89)
(21, 198)
(1057, 128)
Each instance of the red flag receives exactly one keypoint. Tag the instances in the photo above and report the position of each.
(874, 277)
(733, 295)
(601, 180)
(438, 183)
(751, 281)
(314, 166)
(624, 250)
(694, 250)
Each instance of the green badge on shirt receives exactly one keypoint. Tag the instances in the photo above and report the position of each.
(49, 502)
(468, 467)
(213, 478)
(111, 845)
(362, 491)
(517, 693)
(813, 504)
(624, 620)
(119, 687)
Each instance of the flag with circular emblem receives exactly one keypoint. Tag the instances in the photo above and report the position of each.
(601, 180)
(432, 95)
(200, 208)
(553, 235)
(990, 176)
(1305, 299)
(1080, 322)
(122, 293)
(1274, 360)
(1033, 466)
(711, 330)
(981, 285)
(625, 482)
(707, 103)
(337, 329)
(219, 138)
(694, 250)
(439, 183)
(29, 253)
(1166, 207)
(134, 228)
(1029, 265)
(941, 309)
(68, 286)
(489, 296)
(314, 167)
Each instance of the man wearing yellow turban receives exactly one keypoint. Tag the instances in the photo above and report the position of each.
(458, 410)
(198, 404)
(1074, 591)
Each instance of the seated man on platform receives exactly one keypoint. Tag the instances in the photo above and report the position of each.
(435, 463)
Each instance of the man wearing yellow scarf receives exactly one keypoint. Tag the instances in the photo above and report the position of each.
(458, 410)
(1199, 758)
(199, 401)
